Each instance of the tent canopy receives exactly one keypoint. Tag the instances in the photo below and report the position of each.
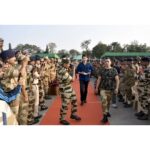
(78, 57)
(126, 54)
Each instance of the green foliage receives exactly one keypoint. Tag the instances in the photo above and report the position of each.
(100, 49)
(30, 48)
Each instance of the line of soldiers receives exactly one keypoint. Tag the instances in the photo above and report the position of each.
(134, 89)
(35, 75)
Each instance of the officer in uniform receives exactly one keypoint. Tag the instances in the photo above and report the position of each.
(31, 93)
(40, 69)
(143, 89)
(129, 81)
(10, 77)
(23, 106)
(67, 93)
(46, 77)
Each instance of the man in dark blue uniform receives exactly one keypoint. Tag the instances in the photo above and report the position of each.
(84, 70)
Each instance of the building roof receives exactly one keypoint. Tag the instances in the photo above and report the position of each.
(126, 54)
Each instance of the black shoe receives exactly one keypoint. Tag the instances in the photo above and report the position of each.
(121, 100)
(47, 97)
(82, 103)
(105, 119)
(144, 117)
(38, 117)
(35, 121)
(75, 117)
(43, 108)
(139, 114)
(108, 114)
(85, 101)
(64, 122)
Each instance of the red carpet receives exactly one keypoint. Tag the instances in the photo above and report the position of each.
(91, 112)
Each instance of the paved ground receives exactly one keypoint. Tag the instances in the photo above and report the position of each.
(119, 116)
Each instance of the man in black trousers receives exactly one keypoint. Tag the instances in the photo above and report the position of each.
(84, 70)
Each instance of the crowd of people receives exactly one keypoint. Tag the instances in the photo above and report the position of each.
(134, 85)
(26, 82)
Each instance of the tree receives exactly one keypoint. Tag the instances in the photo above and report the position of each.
(85, 45)
(51, 47)
(99, 49)
(63, 52)
(73, 52)
(30, 48)
(116, 47)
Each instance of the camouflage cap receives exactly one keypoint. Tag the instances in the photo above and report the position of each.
(65, 61)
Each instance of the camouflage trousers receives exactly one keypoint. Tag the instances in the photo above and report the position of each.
(68, 96)
(14, 105)
(31, 106)
(41, 95)
(46, 86)
(35, 89)
(23, 111)
(128, 94)
(144, 98)
(105, 96)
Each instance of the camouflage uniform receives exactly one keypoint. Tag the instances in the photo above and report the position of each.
(46, 78)
(67, 93)
(31, 96)
(129, 82)
(23, 106)
(107, 86)
(144, 92)
(8, 83)
(41, 88)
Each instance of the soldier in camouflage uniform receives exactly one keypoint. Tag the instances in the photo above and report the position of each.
(23, 106)
(10, 77)
(40, 69)
(67, 93)
(46, 76)
(129, 81)
(31, 93)
(108, 82)
(143, 89)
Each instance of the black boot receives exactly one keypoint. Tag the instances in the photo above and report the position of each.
(64, 122)
(108, 114)
(139, 114)
(105, 119)
(75, 117)
(144, 117)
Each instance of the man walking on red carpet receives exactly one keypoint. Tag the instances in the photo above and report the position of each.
(67, 93)
(84, 70)
(108, 81)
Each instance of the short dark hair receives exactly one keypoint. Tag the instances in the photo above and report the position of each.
(84, 55)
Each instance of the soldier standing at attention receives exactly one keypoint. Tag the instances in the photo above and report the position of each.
(108, 81)
(10, 77)
(67, 93)
(24, 103)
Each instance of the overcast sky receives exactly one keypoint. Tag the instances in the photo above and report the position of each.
(70, 36)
